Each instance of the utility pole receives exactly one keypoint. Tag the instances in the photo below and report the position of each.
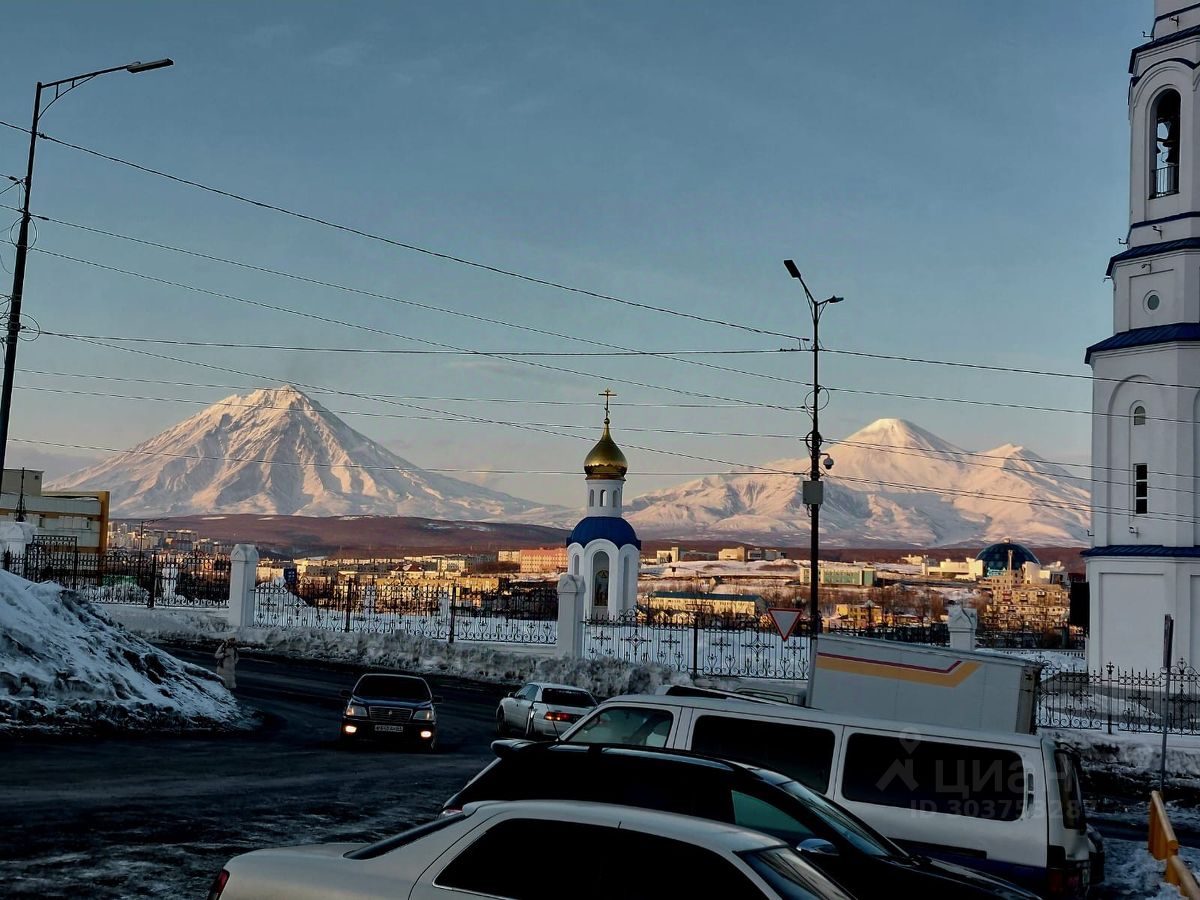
(814, 491)
(61, 87)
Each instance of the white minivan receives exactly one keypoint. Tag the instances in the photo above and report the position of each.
(1003, 803)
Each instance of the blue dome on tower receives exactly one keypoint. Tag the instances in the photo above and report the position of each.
(604, 528)
(995, 557)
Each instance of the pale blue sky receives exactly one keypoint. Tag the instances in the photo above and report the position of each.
(956, 170)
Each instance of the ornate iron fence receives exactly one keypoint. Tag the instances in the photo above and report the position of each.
(139, 578)
(1114, 699)
(520, 614)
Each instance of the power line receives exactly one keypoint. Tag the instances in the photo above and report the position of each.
(509, 273)
(422, 397)
(375, 294)
(405, 351)
(880, 448)
(380, 331)
(360, 396)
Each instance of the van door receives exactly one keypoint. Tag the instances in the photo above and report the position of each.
(982, 805)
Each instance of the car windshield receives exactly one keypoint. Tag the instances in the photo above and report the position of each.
(391, 687)
(790, 876)
(848, 827)
(562, 697)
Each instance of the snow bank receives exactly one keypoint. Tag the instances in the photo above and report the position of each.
(1130, 871)
(415, 653)
(65, 667)
(1135, 754)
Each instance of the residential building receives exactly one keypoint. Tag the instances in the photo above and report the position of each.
(70, 519)
(540, 560)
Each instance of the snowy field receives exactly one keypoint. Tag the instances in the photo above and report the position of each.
(64, 666)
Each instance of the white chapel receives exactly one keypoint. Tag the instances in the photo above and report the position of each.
(1145, 556)
(603, 549)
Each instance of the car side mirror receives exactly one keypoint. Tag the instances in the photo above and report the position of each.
(345, 695)
(815, 846)
(437, 698)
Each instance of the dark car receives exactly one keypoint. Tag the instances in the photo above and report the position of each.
(832, 839)
(391, 706)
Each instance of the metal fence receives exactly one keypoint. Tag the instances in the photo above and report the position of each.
(1114, 699)
(139, 578)
(705, 644)
(516, 614)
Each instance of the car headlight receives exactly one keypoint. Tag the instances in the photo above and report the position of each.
(423, 715)
(354, 709)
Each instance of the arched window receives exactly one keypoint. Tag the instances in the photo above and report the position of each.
(1164, 144)
(591, 496)
(603, 495)
(617, 498)
(1139, 415)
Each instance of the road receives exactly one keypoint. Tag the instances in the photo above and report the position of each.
(157, 816)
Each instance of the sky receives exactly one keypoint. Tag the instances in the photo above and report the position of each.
(958, 172)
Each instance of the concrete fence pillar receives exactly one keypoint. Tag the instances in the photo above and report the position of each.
(963, 623)
(570, 616)
(243, 572)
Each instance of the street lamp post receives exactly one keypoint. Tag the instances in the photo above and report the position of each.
(814, 491)
(61, 87)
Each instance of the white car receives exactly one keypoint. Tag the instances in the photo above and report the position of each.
(542, 710)
(537, 850)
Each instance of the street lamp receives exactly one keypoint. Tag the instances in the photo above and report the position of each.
(814, 491)
(61, 87)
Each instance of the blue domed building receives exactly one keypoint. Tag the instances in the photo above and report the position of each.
(996, 558)
(603, 548)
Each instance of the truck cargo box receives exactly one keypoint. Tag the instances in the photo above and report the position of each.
(917, 683)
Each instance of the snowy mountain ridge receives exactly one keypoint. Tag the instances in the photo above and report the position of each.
(277, 451)
(891, 481)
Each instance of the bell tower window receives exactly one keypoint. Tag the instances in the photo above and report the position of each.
(1139, 415)
(1164, 145)
(1141, 483)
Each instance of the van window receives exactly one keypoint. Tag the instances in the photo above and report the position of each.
(802, 752)
(1069, 794)
(632, 726)
(933, 776)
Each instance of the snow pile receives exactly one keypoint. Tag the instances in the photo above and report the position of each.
(65, 667)
(415, 653)
(1130, 870)
(1133, 753)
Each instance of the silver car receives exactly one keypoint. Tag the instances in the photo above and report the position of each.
(542, 710)
(537, 850)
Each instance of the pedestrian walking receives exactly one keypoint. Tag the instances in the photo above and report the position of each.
(227, 660)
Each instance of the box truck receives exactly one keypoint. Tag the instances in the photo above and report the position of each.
(918, 683)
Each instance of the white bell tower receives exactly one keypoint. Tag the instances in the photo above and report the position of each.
(1145, 555)
(603, 549)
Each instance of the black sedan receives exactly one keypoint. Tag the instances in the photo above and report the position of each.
(390, 706)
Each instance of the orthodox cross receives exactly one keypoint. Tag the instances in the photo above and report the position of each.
(607, 394)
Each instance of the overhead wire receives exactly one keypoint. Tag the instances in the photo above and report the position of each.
(449, 257)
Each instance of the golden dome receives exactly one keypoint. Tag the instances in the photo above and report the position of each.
(606, 459)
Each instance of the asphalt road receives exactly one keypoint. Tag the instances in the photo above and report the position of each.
(157, 816)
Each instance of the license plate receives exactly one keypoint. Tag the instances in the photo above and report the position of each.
(394, 729)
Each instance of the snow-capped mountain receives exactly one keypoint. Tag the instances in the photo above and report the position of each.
(278, 452)
(891, 482)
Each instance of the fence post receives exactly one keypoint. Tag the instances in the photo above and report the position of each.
(1109, 692)
(243, 571)
(453, 605)
(695, 644)
(570, 616)
(962, 624)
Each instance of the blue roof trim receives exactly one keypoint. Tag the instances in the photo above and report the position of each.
(1145, 337)
(604, 528)
(1157, 550)
(1161, 42)
(1189, 243)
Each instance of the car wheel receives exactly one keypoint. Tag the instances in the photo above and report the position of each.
(501, 724)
